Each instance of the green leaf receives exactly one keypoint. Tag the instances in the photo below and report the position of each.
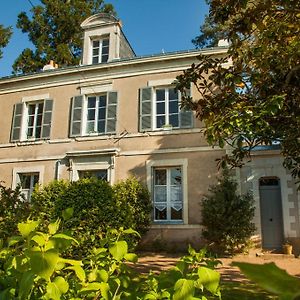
(43, 263)
(26, 228)
(118, 250)
(103, 275)
(40, 239)
(93, 286)
(79, 272)
(131, 231)
(14, 240)
(184, 289)
(272, 279)
(56, 288)
(209, 278)
(53, 227)
(26, 284)
(104, 290)
(64, 237)
(132, 257)
(67, 214)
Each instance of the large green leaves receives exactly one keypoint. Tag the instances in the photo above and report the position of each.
(118, 250)
(184, 289)
(272, 279)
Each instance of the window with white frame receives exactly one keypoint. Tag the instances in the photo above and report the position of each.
(32, 120)
(100, 50)
(94, 114)
(101, 174)
(160, 109)
(27, 183)
(167, 193)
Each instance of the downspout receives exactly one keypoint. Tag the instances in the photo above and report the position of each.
(57, 169)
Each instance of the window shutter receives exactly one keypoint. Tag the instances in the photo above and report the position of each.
(186, 116)
(111, 116)
(145, 109)
(47, 116)
(16, 123)
(76, 116)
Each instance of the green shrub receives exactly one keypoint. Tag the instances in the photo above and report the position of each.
(134, 204)
(227, 216)
(13, 209)
(96, 206)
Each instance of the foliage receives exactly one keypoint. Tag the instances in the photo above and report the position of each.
(227, 216)
(32, 267)
(272, 279)
(54, 29)
(255, 100)
(133, 203)
(5, 34)
(13, 209)
(94, 206)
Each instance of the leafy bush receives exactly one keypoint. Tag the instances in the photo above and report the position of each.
(227, 216)
(95, 206)
(13, 209)
(133, 204)
(32, 267)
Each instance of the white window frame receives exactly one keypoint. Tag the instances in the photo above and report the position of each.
(154, 101)
(167, 163)
(100, 40)
(27, 170)
(85, 114)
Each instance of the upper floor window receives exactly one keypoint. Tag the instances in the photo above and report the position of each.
(95, 114)
(100, 50)
(160, 108)
(32, 120)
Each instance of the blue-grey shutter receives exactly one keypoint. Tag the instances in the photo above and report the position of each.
(186, 117)
(145, 109)
(111, 116)
(47, 117)
(76, 116)
(16, 122)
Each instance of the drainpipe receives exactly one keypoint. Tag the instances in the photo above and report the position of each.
(57, 169)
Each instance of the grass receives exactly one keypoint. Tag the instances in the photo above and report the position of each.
(243, 291)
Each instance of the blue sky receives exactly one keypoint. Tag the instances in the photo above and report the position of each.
(151, 26)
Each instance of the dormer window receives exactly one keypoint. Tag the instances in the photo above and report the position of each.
(100, 50)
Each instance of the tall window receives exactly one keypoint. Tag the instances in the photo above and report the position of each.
(28, 182)
(99, 114)
(100, 50)
(168, 199)
(35, 117)
(32, 120)
(167, 108)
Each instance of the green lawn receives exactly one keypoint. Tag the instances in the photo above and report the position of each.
(243, 291)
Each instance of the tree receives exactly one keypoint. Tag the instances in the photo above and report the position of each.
(227, 216)
(54, 29)
(255, 101)
(5, 34)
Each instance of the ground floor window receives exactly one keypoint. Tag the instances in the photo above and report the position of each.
(99, 174)
(167, 193)
(27, 182)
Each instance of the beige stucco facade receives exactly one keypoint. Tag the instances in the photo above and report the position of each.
(127, 149)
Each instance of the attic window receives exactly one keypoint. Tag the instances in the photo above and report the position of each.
(100, 50)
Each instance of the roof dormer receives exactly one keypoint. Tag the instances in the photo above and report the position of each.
(104, 40)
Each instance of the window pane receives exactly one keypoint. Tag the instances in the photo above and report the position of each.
(104, 58)
(173, 94)
(39, 120)
(160, 214)
(95, 51)
(101, 115)
(101, 126)
(176, 214)
(25, 181)
(160, 108)
(105, 50)
(95, 44)
(31, 109)
(160, 194)
(160, 177)
(38, 132)
(95, 59)
(173, 120)
(102, 101)
(173, 107)
(31, 121)
(160, 95)
(90, 127)
(105, 42)
(30, 132)
(160, 121)
(40, 108)
(91, 114)
(91, 102)
(176, 176)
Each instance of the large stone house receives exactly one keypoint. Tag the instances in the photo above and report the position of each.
(118, 114)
